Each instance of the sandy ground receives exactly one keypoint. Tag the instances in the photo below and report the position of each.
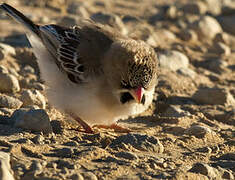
(187, 133)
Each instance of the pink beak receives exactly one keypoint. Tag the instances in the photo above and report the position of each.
(138, 93)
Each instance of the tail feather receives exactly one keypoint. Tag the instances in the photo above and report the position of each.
(19, 17)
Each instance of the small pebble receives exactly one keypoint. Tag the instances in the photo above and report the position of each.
(138, 141)
(27, 70)
(196, 7)
(110, 19)
(5, 49)
(89, 176)
(3, 69)
(220, 96)
(33, 119)
(175, 111)
(188, 35)
(204, 169)
(64, 152)
(126, 155)
(227, 175)
(9, 102)
(76, 176)
(198, 131)
(33, 97)
(222, 49)
(207, 27)
(173, 60)
(187, 72)
(6, 171)
(38, 139)
(9, 83)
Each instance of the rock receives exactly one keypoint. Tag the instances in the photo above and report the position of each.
(172, 12)
(9, 102)
(145, 33)
(227, 164)
(205, 169)
(227, 23)
(226, 117)
(221, 37)
(9, 83)
(228, 8)
(130, 19)
(4, 112)
(78, 9)
(27, 81)
(198, 131)
(33, 97)
(175, 111)
(215, 65)
(168, 35)
(36, 168)
(196, 7)
(110, 19)
(138, 141)
(63, 152)
(213, 96)
(38, 86)
(173, 60)
(33, 119)
(27, 70)
(190, 176)
(5, 173)
(126, 155)
(5, 50)
(187, 72)
(13, 72)
(213, 6)
(151, 41)
(19, 40)
(188, 35)
(76, 176)
(207, 27)
(222, 49)
(3, 69)
(225, 38)
(89, 176)
(228, 156)
(68, 21)
(227, 175)
(38, 139)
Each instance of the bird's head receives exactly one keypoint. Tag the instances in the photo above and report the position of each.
(131, 67)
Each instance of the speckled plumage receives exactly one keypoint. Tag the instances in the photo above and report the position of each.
(92, 71)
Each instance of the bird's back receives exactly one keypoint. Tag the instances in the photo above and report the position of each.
(78, 51)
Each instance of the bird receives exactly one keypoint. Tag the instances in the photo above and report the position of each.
(92, 72)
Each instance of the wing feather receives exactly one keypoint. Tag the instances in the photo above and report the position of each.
(65, 42)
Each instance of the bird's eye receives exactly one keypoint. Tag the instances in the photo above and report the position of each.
(126, 97)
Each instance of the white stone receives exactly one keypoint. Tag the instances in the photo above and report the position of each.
(173, 60)
(6, 172)
(207, 27)
(33, 97)
(9, 83)
(33, 119)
